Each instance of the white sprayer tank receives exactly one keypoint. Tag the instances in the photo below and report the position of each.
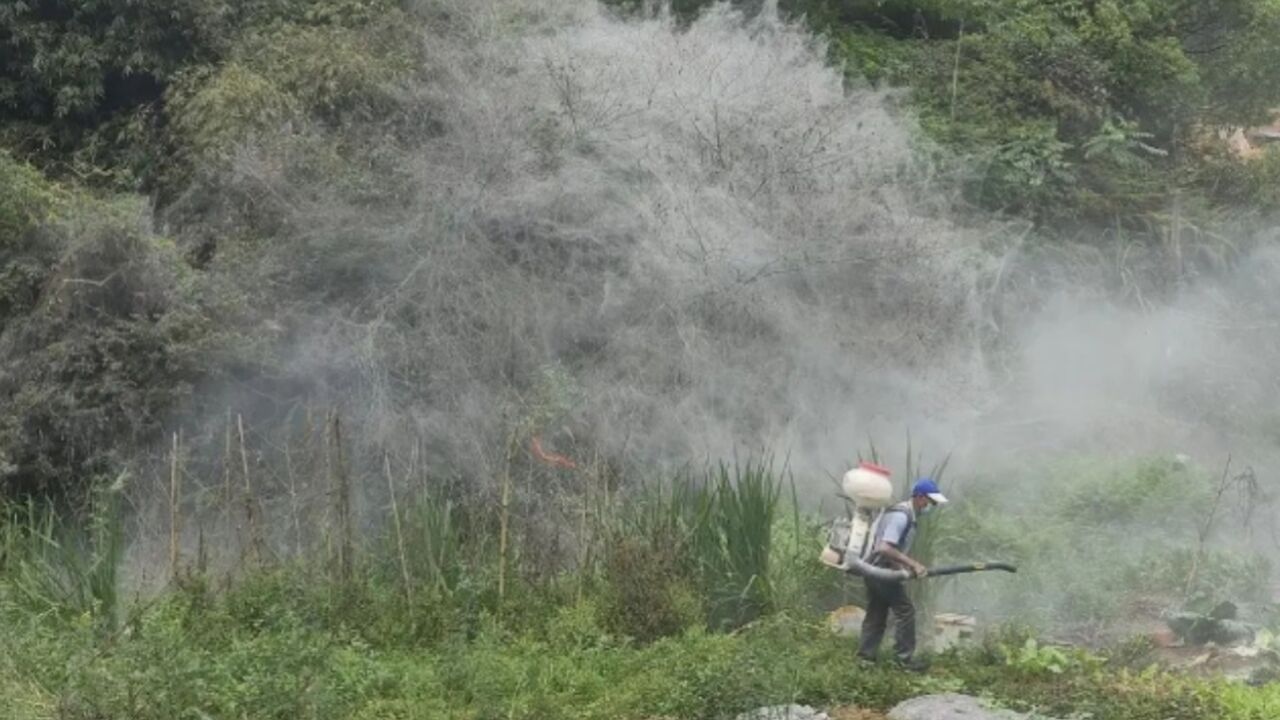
(869, 488)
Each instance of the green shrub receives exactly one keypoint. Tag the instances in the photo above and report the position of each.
(1252, 184)
(733, 547)
(712, 535)
(281, 78)
(1129, 495)
(26, 200)
(1033, 658)
(648, 594)
(230, 107)
(1093, 539)
(27, 249)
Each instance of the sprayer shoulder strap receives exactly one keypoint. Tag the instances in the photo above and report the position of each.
(871, 553)
(906, 532)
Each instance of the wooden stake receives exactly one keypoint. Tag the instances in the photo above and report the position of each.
(202, 552)
(1202, 533)
(504, 518)
(582, 540)
(293, 498)
(175, 514)
(315, 459)
(412, 473)
(342, 503)
(955, 70)
(395, 514)
(227, 496)
(329, 475)
(255, 541)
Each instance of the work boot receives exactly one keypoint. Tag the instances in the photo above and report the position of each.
(912, 664)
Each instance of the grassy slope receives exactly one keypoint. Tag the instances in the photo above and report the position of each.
(296, 642)
(258, 653)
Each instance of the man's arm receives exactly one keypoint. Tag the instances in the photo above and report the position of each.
(892, 533)
(888, 550)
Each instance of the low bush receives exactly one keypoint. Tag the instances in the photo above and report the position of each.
(1092, 539)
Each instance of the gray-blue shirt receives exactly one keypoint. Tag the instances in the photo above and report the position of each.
(897, 528)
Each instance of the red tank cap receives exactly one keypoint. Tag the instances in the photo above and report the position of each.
(875, 468)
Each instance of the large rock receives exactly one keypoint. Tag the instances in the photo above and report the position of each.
(784, 712)
(847, 620)
(1219, 626)
(951, 706)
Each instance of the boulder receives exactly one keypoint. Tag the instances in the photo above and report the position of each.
(952, 706)
(847, 621)
(785, 712)
(1219, 627)
(952, 629)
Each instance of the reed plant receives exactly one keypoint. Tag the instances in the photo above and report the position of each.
(67, 563)
(739, 534)
(432, 545)
(709, 530)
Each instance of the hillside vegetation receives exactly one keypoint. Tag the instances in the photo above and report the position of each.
(698, 598)
(274, 142)
(375, 358)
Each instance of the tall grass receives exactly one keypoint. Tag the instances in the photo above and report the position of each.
(55, 564)
(433, 545)
(739, 530)
(710, 531)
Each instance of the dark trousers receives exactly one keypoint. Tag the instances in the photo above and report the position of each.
(881, 598)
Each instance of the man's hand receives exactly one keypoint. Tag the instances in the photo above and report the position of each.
(902, 560)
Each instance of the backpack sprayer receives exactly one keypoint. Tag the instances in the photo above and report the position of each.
(851, 540)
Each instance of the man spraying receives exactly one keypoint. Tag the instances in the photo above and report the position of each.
(891, 545)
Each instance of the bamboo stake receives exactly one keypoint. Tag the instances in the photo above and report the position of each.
(342, 503)
(202, 551)
(293, 497)
(420, 463)
(249, 515)
(955, 71)
(327, 521)
(414, 472)
(175, 516)
(504, 518)
(1202, 533)
(313, 461)
(227, 497)
(395, 514)
(582, 540)
(309, 466)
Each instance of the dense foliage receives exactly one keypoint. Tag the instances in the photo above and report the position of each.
(109, 325)
(1092, 119)
(1083, 111)
(270, 139)
(1092, 114)
(84, 86)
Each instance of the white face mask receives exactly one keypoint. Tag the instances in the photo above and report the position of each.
(926, 509)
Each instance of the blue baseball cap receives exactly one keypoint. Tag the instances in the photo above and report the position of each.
(925, 486)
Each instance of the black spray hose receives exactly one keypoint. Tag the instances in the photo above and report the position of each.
(858, 566)
(974, 567)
